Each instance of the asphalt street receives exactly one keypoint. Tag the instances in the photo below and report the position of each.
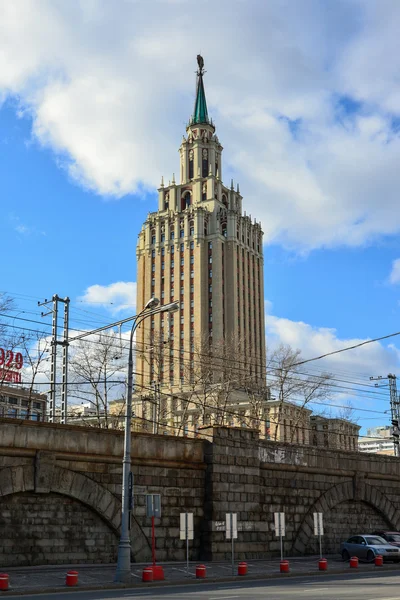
(384, 586)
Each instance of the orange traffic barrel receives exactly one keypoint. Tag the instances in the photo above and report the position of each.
(242, 568)
(71, 578)
(3, 581)
(354, 562)
(201, 571)
(284, 566)
(378, 560)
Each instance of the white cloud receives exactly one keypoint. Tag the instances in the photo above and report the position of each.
(369, 360)
(109, 91)
(394, 276)
(115, 296)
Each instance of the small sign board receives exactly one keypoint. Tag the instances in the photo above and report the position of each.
(153, 505)
(318, 524)
(231, 526)
(186, 531)
(279, 518)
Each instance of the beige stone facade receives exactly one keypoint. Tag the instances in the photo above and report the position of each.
(337, 434)
(202, 250)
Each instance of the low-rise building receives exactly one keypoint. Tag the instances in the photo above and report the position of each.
(337, 434)
(378, 440)
(22, 403)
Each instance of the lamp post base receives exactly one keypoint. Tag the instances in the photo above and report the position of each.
(123, 573)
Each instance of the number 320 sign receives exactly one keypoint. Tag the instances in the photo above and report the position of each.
(8, 362)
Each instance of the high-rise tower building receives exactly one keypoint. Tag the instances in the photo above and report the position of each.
(200, 249)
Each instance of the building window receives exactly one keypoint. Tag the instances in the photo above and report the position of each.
(191, 231)
(172, 236)
(182, 261)
(172, 249)
(172, 278)
(210, 245)
(192, 260)
(172, 264)
(182, 247)
(182, 290)
(204, 163)
(210, 259)
(192, 318)
(182, 335)
(153, 254)
(191, 245)
(210, 318)
(210, 289)
(172, 292)
(182, 233)
(163, 237)
(210, 273)
(191, 164)
(162, 266)
(182, 276)
(191, 274)
(191, 288)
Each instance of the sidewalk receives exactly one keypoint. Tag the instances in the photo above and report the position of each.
(51, 579)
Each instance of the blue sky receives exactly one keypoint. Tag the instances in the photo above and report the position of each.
(92, 115)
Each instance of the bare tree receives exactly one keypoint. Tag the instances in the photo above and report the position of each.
(35, 348)
(97, 373)
(288, 382)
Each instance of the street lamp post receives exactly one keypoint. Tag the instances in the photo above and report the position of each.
(123, 574)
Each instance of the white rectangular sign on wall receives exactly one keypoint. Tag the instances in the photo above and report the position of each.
(318, 524)
(279, 518)
(231, 526)
(186, 530)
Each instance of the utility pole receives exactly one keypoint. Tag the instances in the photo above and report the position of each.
(156, 406)
(394, 409)
(53, 368)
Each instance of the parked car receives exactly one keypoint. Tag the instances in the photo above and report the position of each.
(393, 537)
(368, 546)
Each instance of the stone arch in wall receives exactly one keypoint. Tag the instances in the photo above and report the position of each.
(353, 492)
(44, 477)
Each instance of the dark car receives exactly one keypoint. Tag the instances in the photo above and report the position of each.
(367, 546)
(393, 537)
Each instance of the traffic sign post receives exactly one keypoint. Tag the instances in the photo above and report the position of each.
(153, 509)
(186, 532)
(279, 518)
(319, 529)
(231, 534)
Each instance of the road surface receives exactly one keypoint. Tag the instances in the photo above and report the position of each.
(374, 586)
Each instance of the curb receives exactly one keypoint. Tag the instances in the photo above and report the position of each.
(186, 582)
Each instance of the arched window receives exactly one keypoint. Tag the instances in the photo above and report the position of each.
(205, 163)
(224, 200)
(191, 164)
(166, 202)
(186, 200)
(224, 230)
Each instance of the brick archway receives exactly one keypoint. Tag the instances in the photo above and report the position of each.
(355, 489)
(46, 477)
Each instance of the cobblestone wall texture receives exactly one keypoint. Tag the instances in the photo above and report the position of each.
(67, 480)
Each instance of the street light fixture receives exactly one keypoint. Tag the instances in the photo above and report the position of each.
(123, 573)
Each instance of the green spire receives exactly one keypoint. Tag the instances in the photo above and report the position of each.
(200, 114)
